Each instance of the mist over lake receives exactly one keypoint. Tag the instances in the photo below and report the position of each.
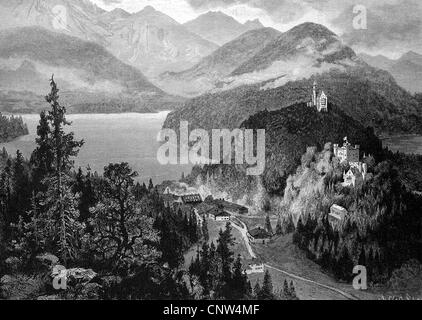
(111, 138)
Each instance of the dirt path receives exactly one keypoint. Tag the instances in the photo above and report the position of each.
(244, 232)
(344, 294)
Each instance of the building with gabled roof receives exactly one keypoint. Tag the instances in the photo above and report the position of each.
(259, 234)
(192, 199)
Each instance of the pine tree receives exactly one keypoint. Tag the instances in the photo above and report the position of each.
(6, 195)
(150, 185)
(42, 157)
(267, 288)
(21, 195)
(205, 267)
(214, 268)
(239, 288)
(279, 228)
(205, 233)
(57, 148)
(225, 241)
(257, 291)
(292, 291)
(286, 289)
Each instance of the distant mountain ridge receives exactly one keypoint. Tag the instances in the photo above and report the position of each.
(154, 42)
(220, 28)
(148, 39)
(87, 72)
(282, 74)
(407, 70)
(307, 38)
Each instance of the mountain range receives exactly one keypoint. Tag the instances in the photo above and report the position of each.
(90, 76)
(407, 70)
(149, 40)
(282, 73)
(219, 28)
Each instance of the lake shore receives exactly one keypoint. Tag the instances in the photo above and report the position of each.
(405, 143)
(111, 138)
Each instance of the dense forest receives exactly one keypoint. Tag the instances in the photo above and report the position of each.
(370, 96)
(107, 235)
(11, 127)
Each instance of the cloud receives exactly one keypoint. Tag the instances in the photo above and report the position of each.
(391, 26)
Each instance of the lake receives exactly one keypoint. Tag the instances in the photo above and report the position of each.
(410, 144)
(112, 138)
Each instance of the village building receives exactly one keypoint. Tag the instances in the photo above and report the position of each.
(337, 214)
(231, 207)
(259, 235)
(218, 215)
(255, 268)
(349, 178)
(191, 199)
(319, 100)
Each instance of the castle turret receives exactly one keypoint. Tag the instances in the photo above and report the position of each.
(314, 95)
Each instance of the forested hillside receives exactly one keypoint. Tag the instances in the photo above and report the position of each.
(11, 128)
(289, 131)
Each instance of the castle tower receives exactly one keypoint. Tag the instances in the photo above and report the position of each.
(314, 95)
(322, 102)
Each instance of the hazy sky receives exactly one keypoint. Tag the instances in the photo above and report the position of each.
(393, 26)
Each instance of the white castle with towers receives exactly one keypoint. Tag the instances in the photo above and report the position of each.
(320, 101)
(351, 155)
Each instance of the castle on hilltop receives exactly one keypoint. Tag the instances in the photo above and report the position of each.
(320, 101)
(351, 155)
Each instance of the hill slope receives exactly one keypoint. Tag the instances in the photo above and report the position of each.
(289, 132)
(307, 39)
(219, 64)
